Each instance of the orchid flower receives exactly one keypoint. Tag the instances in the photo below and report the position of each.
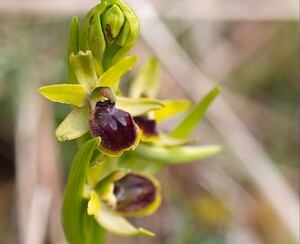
(111, 176)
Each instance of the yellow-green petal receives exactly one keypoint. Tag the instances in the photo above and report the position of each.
(113, 75)
(74, 94)
(136, 106)
(74, 125)
(94, 204)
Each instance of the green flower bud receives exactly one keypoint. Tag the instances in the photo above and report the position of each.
(112, 22)
(123, 35)
(120, 33)
(91, 33)
(111, 28)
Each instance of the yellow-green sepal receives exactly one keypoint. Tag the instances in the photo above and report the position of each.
(147, 81)
(74, 125)
(115, 223)
(74, 94)
(84, 68)
(138, 106)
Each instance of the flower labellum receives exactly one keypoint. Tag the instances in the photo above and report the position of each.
(148, 126)
(135, 194)
(115, 127)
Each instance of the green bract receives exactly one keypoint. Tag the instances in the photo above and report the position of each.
(74, 205)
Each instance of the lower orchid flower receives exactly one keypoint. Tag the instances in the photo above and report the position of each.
(110, 196)
(124, 193)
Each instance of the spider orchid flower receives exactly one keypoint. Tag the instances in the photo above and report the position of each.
(97, 108)
(104, 199)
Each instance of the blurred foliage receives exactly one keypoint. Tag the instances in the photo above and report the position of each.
(271, 78)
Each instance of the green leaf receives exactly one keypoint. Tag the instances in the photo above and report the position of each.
(74, 207)
(147, 81)
(185, 128)
(84, 68)
(176, 155)
(74, 125)
(73, 46)
(117, 224)
(74, 94)
(171, 107)
(137, 106)
(113, 75)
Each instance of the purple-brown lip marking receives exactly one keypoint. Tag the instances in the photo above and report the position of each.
(115, 127)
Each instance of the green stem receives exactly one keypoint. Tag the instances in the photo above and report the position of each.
(107, 57)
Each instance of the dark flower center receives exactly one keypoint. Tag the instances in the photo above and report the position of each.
(134, 193)
(115, 127)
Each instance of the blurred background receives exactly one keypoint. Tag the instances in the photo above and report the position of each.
(246, 194)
